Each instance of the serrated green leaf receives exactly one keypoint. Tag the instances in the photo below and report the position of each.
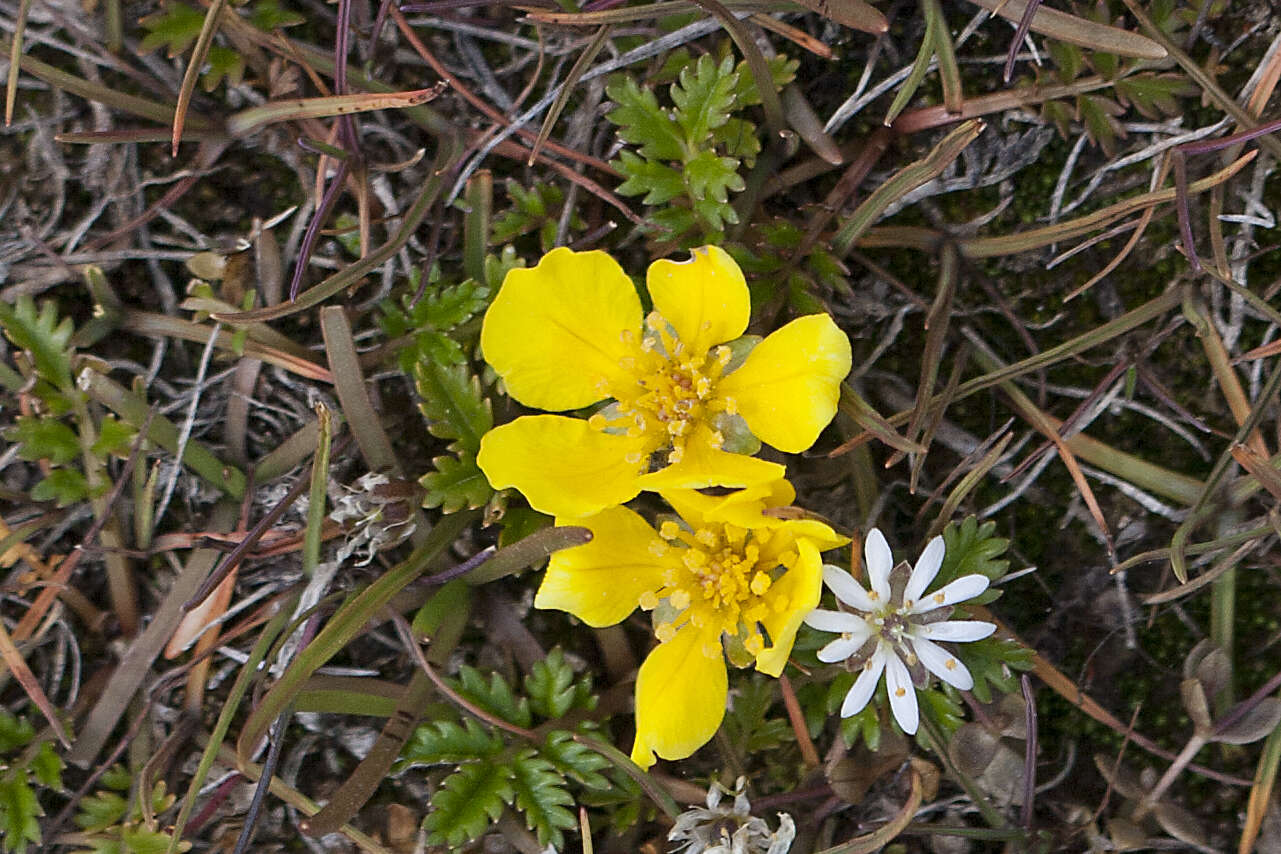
(971, 548)
(711, 178)
(466, 802)
(46, 766)
(749, 725)
(452, 401)
(988, 660)
(268, 15)
(439, 742)
(101, 810)
(140, 840)
(15, 732)
(642, 122)
(1154, 95)
(659, 182)
(575, 761)
(942, 707)
(224, 63)
(456, 483)
(739, 139)
(117, 778)
(1098, 115)
(1069, 59)
(704, 97)
(114, 437)
(782, 70)
(541, 796)
(43, 335)
(19, 810)
(62, 486)
(494, 696)
(550, 686)
(175, 27)
(45, 439)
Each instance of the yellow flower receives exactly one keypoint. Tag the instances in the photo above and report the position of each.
(568, 334)
(728, 574)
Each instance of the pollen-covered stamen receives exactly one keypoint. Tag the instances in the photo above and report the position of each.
(672, 390)
(719, 582)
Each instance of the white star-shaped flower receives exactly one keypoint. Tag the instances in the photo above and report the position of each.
(894, 627)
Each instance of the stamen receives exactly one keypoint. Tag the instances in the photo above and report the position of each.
(648, 600)
(664, 632)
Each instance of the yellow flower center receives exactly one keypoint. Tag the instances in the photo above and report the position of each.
(720, 584)
(673, 391)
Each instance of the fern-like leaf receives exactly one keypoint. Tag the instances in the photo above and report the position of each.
(642, 122)
(494, 696)
(43, 335)
(456, 483)
(704, 97)
(576, 761)
(453, 404)
(550, 686)
(541, 796)
(446, 742)
(19, 810)
(467, 802)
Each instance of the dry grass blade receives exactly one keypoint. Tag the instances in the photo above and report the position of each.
(924, 118)
(1221, 365)
(1260, 467)
(924, 53)
(12, 658)
(1265, 778)
(945, 52)
(854, 14)
(1077, 31)
(771, 105)
(249, 120)
(967, 483)
(988, 247)
(904, 181)
(936, 325)
(576, 71)
(349, 383)
(15, 61)
(883, 835)
(865, 416)
(208, 29)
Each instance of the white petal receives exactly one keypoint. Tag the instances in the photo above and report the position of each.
(966, 587)
(836, 621)
(902, 695)
(879, 561)
(841, 648)
(955, 630)
(846, 588)
(927, 567)
(865, 685)
(943, 664)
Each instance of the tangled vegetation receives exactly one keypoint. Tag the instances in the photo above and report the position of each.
(716, 425)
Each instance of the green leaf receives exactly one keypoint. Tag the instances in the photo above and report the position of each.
(114, 437)
(268, 15)
(1154, 95)
(989, 662)
(15, 732)
(660, 183)
(782, 71)
(739, 139)
(140, 840)
(101, 810)
(18, 813)
(1098, 114)
(972, 549)
(749, 725)
(1069, 59)
(704, 97)
(456, 483)
(439, 742)
(550, 686)
(453, 403)
(466, 802)
(117, 778)
(224, 64)
(63, 486)
(46, 766)
(44, 439)
(494, 696)
(576, 761)
(43, 335)
(711, 178)
(642, 122)
(175, 26)
(541, 796)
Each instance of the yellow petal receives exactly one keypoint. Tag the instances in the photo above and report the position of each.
(788, 387)
(790, 599)
(680, 697)
(555, 332)
(742, 507)
(703, 466)
(601, 582)
(561, 465)
(705, 299)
